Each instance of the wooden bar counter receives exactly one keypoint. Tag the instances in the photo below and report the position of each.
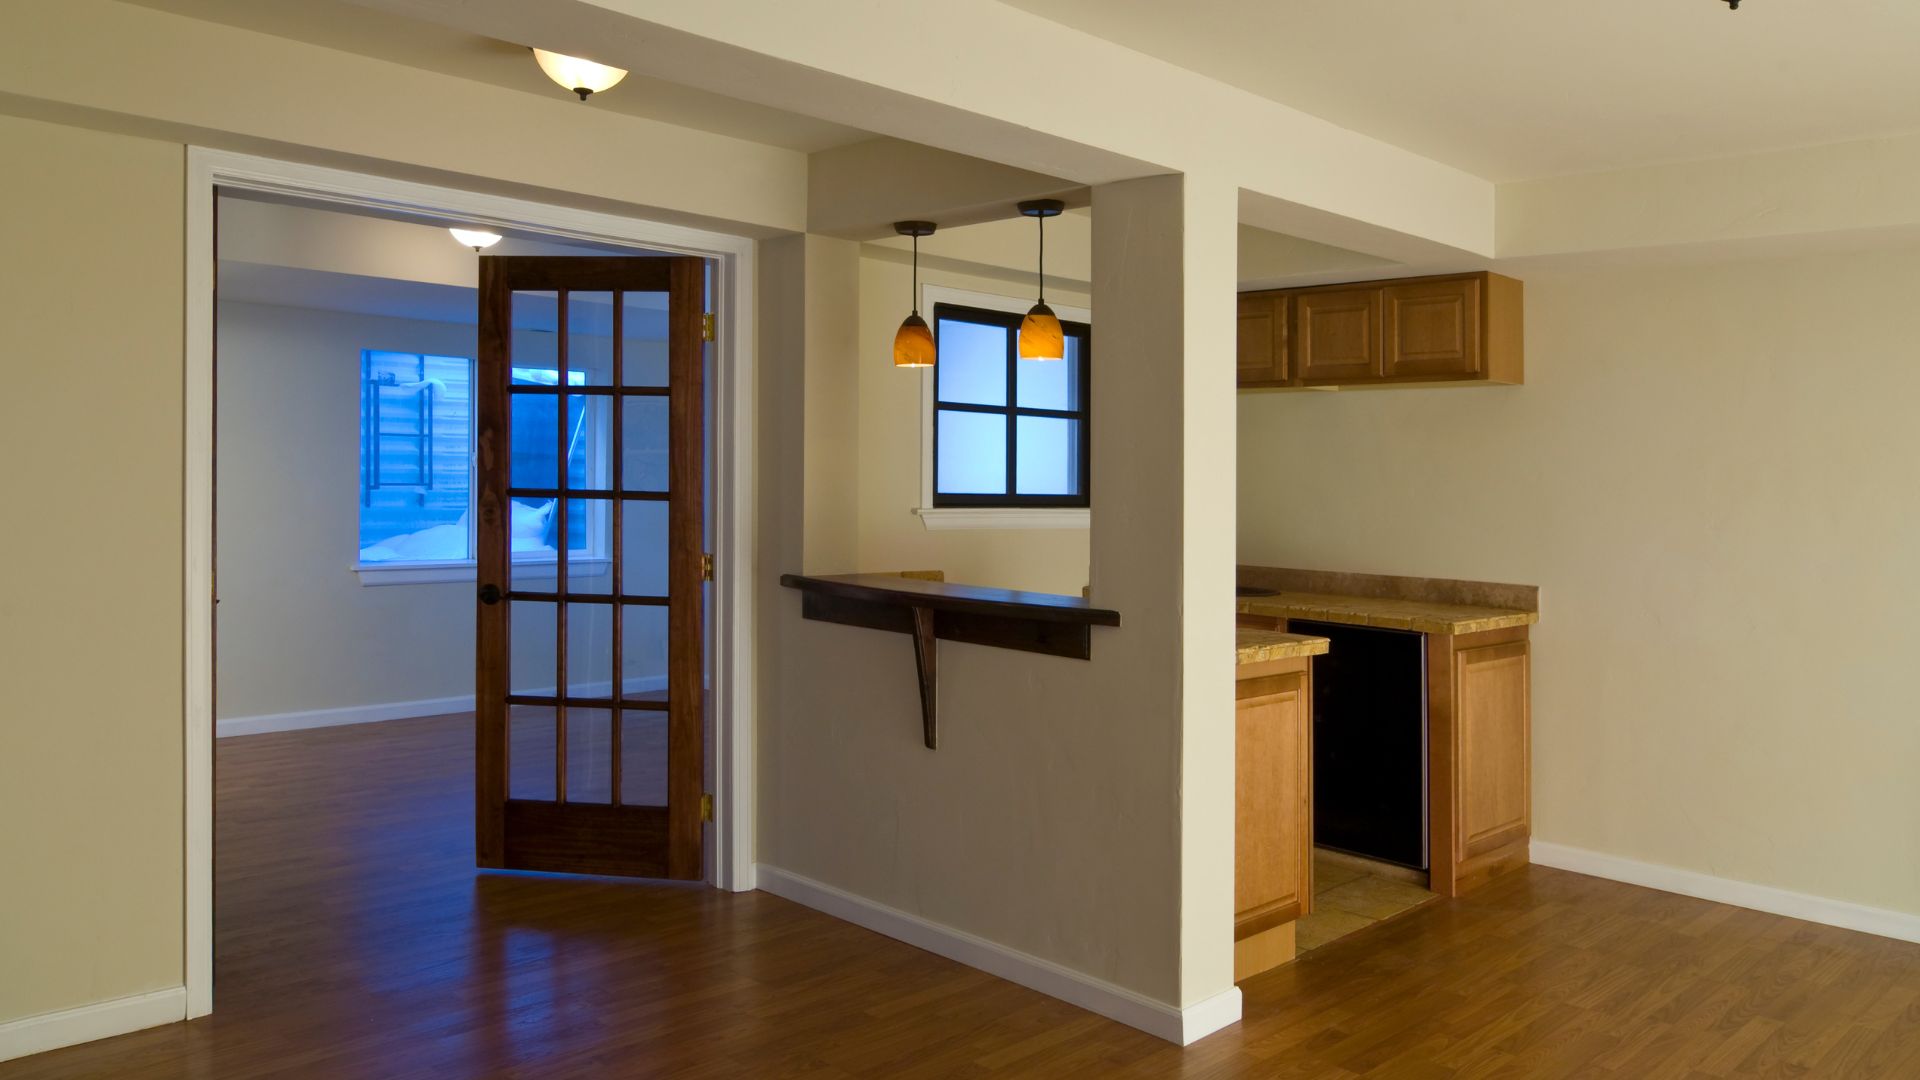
(1273, 794)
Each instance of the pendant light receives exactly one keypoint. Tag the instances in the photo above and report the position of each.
(1040, 335)
(913, 343)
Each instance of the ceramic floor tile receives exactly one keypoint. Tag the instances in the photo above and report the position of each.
(1373, 897)
(1324, 925)
(1328, 873)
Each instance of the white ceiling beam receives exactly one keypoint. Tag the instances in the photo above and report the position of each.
(979, 78)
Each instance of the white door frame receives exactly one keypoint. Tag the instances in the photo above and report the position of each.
(729, 632)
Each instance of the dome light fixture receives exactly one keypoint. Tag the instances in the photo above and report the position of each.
(913, 342)
(583, 77)
(1040, 335)
(476, 239)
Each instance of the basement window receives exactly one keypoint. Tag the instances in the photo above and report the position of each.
(1007, 439)
(417, 467)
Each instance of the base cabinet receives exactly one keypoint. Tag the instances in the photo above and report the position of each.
(1273, 816)
(1480, 751)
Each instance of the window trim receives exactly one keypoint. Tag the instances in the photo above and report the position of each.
(995, 511)
(593, 562)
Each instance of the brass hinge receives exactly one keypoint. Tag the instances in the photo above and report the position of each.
(706, 327)
(706, 567)
(706, 807)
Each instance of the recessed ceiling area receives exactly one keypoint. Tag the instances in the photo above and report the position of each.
(335, 24)
(1512, 90)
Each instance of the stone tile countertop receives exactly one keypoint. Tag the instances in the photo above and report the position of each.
(1259, 646)
(1388, 614)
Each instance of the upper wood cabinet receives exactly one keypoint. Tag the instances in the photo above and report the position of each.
(1452, 328)
(1263, 340)
(1337, 335)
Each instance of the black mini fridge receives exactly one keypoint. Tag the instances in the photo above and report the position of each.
(1370, 742)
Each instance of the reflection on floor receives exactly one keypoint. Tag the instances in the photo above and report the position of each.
(1352, 894)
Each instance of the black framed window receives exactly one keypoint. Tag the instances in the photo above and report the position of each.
(1007, 431)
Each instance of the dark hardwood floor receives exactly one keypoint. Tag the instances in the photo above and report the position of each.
(355, 940)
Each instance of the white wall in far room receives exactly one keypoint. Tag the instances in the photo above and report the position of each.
(297, 630)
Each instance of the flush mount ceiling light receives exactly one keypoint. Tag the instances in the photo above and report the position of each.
(475, 238)
(1040, 334)
(1733, 5)
(913, 342)
(583, 77)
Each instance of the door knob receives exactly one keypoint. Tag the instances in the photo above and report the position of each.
(489, 593)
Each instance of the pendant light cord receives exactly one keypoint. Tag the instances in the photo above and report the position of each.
(1042, 269)
(916, 274)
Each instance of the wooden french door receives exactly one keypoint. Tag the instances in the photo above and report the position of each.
(590, 471)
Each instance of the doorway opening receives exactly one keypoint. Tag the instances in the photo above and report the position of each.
(366, 505)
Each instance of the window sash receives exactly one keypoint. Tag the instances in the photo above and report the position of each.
(1012, 411)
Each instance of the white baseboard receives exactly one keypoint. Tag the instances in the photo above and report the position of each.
(70, 1027)
(393, 710)
(1174, 1024)
(1818, 909)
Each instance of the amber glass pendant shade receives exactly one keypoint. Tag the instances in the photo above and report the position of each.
(1040, 335)
(913, 343)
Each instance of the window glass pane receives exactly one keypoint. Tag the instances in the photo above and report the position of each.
(590, 650)
(1049, 456)
(590, 338)
(973, 363)
(645, 327)
(644, 444)
(589, 755)
(1051, 384)
(644, 535)
(535, 443)
(973, 453)
(416, 444)
(531, 743)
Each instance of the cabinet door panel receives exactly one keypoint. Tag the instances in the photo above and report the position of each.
(1337, 335)
(1262, 350)
(1432, 328)
(1273, 798)
(1494, 801)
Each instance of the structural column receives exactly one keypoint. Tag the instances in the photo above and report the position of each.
(1164, 252)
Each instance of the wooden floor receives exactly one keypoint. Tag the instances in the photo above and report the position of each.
(354, 941)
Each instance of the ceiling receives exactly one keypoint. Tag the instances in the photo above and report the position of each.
(336, 24)
(1519, 89)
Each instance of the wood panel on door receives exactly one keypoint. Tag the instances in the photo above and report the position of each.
(1336, 335)
(1262, 340)
(590, 470)
(1273, 804)
(1432, 328)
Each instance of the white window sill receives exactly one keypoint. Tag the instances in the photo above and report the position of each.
(428, 573)
(1005, 517)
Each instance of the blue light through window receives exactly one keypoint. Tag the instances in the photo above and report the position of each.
(416, 459)
(1007, 432)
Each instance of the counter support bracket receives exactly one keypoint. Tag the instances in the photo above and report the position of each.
(926, 652)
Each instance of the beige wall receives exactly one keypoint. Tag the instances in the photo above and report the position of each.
(1710, 474)
(90, 741)
(1075, 811)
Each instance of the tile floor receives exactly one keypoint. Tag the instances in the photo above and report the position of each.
(1347, 897)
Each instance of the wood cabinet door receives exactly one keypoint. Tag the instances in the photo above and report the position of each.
(1273, 825)
(1262, 348)
(1494, 800)
(1336, 335)
(1432, 328)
